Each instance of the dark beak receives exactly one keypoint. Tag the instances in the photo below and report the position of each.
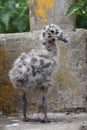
(61, 38)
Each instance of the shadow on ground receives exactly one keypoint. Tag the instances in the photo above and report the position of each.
(58, 121)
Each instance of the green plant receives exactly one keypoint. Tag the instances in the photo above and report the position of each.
(80, 8)
(14, 16)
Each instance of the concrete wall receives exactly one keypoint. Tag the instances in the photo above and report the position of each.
(43, 12)
(70, 88)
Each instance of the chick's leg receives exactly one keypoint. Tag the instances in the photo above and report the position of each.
(44, 103)
(24, 107)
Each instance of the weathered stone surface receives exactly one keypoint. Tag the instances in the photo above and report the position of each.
(83, 127)
(43, 12)
(64, 122)
(69, 90)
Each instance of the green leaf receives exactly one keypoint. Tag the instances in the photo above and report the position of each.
(14, 19)
(72, 9)
(81, 21)
(5, 18)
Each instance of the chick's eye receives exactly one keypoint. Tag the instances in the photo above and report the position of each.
(52, 31)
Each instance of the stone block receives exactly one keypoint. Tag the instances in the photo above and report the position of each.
(83, 127)
(43, 12)
(70, 78)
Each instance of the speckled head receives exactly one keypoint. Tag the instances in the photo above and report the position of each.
(53, 32)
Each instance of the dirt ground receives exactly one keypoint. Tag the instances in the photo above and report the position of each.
(61, 121)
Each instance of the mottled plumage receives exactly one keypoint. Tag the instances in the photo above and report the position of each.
(35, 69)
